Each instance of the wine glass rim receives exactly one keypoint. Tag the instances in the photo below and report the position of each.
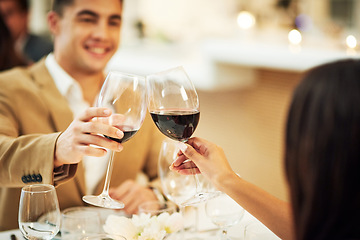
(125, 74)
(169, 70)
(31, 188)
(82, 209)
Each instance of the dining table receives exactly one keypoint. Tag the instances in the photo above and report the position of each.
(204, 229)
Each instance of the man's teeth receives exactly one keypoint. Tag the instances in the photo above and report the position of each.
(97, 50)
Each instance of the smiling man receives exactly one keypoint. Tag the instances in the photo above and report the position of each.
(46, 130)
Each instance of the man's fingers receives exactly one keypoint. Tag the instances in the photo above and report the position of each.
(104, 129)
(91, 139)
(93, 112)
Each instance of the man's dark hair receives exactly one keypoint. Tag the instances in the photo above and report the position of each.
(59, 5)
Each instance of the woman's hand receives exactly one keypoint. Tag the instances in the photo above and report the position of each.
(206, 158)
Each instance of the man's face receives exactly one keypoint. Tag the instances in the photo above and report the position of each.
(87, 35)
(15, 18)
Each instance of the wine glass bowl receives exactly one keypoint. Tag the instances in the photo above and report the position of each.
(125, 95)
(176, 187)
(39, 214)
(173, 103)
(155, 208)
(77, 222)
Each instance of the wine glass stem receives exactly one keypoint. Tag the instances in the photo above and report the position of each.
(197, 181)
(105, 191)
(224, 234)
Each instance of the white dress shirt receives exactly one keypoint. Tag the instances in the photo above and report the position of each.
(95, 167)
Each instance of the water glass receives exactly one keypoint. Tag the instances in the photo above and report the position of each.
(155, 208)
(39, 214)
(78, 222)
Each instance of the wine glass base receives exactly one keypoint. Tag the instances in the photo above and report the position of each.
(103, 201)
(199, 198)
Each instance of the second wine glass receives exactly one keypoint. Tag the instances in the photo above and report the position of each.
(174, 107)
(125, 95)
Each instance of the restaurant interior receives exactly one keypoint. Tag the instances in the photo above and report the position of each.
(244, 58)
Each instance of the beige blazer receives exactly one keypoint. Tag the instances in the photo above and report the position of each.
(32, 115)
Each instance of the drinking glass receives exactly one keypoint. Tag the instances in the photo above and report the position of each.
(39, 214)
(174, 107)
(224, 212)
(155, 208)
(125, 95)
(178, 188)
(77, 222)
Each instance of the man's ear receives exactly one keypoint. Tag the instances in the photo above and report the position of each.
(53, 20)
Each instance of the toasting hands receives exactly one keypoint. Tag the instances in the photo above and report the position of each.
(206, 158)
(84, 136)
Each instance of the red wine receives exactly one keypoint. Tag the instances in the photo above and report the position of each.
(176, 124)
(127, 136)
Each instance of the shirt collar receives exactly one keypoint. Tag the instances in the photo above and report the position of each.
(62, 79)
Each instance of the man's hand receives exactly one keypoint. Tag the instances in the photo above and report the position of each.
(132, 195)
(83, 134)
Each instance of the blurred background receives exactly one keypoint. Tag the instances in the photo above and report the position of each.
(244, 57)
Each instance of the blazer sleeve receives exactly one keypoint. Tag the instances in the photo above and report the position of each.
(26, 157)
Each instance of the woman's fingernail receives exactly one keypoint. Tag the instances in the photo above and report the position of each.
(182, 146)
(119, 134)
(107, 111)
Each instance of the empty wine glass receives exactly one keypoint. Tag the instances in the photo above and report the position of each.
(39, 214)
(155, 208)
(174, 107)
(125, 95)
(224, 212)
(77, 222)
(176, 187)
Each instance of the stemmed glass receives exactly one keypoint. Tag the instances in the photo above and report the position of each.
(224, 212)
(125, 95)
(39, 214)
(176, 187)
(174, 107)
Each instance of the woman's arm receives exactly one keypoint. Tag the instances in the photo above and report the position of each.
(210, 160)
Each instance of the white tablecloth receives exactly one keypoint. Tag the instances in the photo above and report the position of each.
(206, 229)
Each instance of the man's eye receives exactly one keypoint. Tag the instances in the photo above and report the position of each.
(115, 23)
(89, 20)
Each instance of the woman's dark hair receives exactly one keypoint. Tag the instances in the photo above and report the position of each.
(322, 156)
(8, 56)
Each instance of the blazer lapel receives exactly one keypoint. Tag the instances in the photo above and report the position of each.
(60, 112)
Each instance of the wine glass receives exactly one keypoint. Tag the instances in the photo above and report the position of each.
(125, 95)
(155, 208)
(174, 107)
(39, 214)
(78, 222)
(176, 187)
(224, 212)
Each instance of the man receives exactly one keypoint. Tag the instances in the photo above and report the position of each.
(16, 16)
(42, 141)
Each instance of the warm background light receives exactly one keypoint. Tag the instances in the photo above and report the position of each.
(294, 37)
(246, 20)
(351, 41)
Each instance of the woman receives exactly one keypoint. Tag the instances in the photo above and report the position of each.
(322, 160)
(8, 56)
